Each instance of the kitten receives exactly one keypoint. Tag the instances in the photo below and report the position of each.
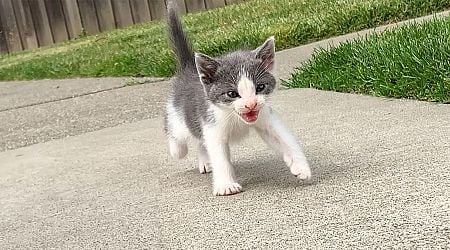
(218, 100)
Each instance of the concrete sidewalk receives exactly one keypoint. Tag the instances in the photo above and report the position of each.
(73, 116)
(381, 168)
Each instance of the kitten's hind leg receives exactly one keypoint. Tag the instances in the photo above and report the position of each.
(177, 132)
(178, 148)
(204, 165)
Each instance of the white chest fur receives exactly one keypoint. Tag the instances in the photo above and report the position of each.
(228, 125)
(237, 130)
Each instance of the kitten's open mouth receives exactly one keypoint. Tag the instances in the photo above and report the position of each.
(251, 116)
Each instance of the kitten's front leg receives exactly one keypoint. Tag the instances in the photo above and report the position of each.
(222, 170)
(273, 132)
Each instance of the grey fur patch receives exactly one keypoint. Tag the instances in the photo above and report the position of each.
(190, 100)
(210, 118)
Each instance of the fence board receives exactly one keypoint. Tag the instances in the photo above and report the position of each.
(3, 43)
(25, 24)
(88, 16)
(181, 6)
(211, 4)
(194, 5)
(122, 13)
(157, 9)
(105, 15)
(57, 21)
(40, 20)
(10, 26)
(140, 10)
(73, 19)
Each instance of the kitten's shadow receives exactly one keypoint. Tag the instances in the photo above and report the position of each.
(271, 170)
(274, 171)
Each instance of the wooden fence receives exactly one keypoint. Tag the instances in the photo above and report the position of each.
(28, 24)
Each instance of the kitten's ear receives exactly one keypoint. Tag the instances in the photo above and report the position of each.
(266, 52)
(206, 67)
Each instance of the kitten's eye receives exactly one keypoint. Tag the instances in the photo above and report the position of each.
(260, 87)
(232, 94)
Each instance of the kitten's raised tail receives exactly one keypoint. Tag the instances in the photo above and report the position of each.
(180, 43)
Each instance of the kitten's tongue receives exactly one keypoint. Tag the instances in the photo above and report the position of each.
(251, 116)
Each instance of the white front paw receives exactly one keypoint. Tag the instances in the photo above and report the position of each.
(300, 168)
(227, 189)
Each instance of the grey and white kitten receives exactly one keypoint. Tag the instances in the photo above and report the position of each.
(218, 100)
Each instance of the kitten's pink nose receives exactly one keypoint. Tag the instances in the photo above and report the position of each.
(250, 104)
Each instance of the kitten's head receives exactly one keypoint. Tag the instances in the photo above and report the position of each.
(241, 80)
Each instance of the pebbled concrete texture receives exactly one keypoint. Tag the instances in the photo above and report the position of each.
(88, 112)
(381, 179)
(20, 94)
(27, 93)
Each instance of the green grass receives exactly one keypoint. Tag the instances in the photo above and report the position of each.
(143, 50)
(410, 62)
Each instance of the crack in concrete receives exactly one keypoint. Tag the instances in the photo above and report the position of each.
(127, 83)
